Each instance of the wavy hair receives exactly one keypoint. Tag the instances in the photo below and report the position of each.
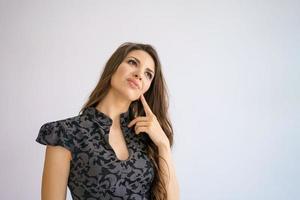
(157, 98)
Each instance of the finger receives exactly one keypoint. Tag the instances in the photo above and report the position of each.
(147, 108)
(143, 123)
(141, 129)
(137, 119)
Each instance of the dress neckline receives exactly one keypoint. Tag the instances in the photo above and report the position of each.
(104, 119)
(105, 122)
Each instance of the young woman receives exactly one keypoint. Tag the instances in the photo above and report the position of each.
(119, 145)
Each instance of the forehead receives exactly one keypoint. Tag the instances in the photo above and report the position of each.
(145, 58)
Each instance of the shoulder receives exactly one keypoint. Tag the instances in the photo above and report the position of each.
(63, 129)
(65, 124)
(73, 128)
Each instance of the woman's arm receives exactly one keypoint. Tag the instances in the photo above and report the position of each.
(55, 173)
(151, 126)
(172, 185)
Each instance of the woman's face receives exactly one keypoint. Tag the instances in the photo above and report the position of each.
(138, 66)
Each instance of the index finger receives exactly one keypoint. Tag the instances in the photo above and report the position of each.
(147, 108)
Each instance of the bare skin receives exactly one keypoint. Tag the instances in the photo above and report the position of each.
(118, 144)
(55, 173)
(139, 66)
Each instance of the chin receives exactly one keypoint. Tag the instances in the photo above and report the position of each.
(134, 98)
(131, 96)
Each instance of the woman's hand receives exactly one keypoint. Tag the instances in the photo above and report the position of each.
(150, 125)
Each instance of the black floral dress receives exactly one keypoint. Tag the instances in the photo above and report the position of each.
(95, 170)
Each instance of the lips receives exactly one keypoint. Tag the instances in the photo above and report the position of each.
(134, 82)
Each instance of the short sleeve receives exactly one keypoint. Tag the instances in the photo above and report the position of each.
(54, 133)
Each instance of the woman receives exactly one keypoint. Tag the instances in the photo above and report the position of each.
(119, 146)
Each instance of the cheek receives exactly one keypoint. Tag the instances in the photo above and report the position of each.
(121, 73)
(123, 70)
(146, 87)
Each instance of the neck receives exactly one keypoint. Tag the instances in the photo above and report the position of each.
(113, 105)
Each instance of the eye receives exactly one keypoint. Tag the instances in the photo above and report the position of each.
(149, 75)
(132, 62)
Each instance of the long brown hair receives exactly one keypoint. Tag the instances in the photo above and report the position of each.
(157, 98)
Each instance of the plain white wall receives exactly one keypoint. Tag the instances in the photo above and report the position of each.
(232, 69)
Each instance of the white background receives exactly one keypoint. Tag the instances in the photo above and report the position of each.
(232, 69)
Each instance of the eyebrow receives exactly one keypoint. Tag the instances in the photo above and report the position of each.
(140, 63)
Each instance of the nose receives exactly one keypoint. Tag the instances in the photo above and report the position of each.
(137, 76)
